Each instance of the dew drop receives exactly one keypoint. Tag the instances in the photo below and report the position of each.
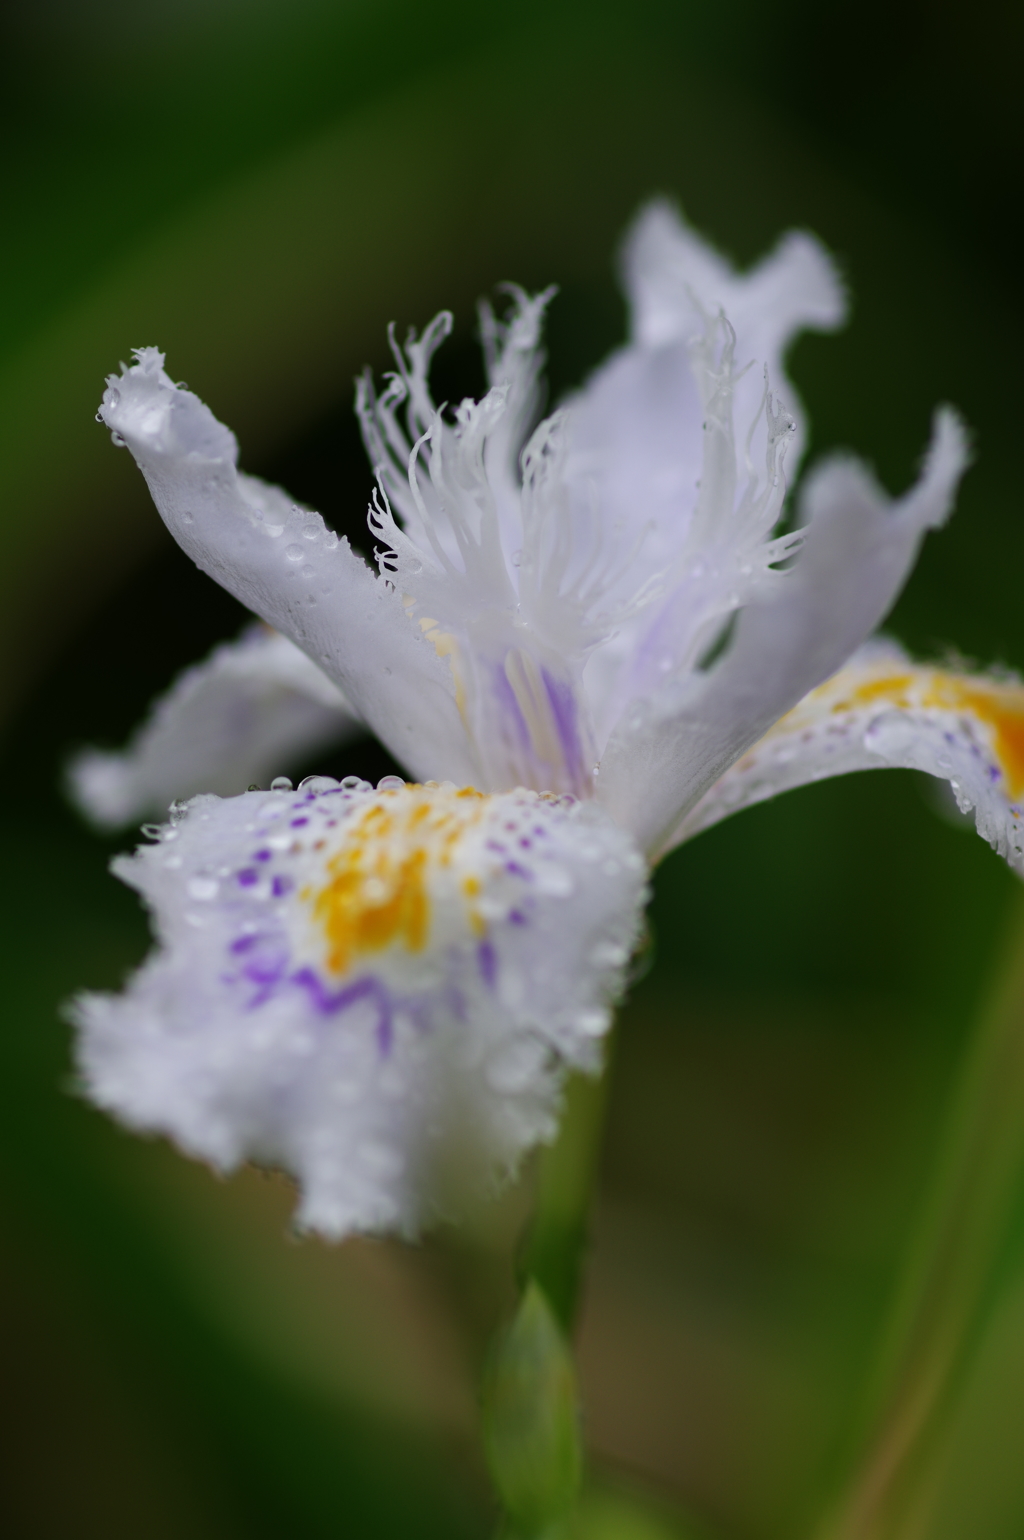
(608, 954)
(516, 1065)
(294, 552)
(281, 783)
(151, 831)
(554, 882)
(318, 783)
(390, 783)
(378, 1157)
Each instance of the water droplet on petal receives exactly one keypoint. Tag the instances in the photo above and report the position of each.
(281, 783)
(378, 1157)
(516, 1065)
(554, 881)
(608, 954)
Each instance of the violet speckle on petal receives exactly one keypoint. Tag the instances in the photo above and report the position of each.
(359, 986)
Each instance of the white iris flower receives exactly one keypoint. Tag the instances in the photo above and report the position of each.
(587, 640)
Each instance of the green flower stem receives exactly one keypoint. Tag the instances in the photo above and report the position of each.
(531, 1422)
(555, 1244)
(530, 1410)
(943, 1303)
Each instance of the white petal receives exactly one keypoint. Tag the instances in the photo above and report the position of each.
(252, 710)
(404, 412)
(287, 567)
(858, 549)
(667, 266)
(637, 425)
(515, 361)
(639, 450)
(377, 990)
(486, 563)
(883, 710)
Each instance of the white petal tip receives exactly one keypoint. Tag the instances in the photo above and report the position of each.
(145, 409)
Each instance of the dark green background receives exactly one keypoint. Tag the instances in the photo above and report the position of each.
(259, 188)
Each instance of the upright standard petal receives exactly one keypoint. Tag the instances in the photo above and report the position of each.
(378, 991)
(489, 565)
(254, 709)
(884, 710)
(637, 424)
(670, 271)
(706, 351)
(857, 549)
(284, 564)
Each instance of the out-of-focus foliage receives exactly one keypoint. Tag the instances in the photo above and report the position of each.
(259, 189)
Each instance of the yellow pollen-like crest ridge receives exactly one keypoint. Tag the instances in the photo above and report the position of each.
(998, 706)
(378, 889)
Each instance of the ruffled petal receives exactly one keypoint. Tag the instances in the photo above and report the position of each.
(250, 711)
(485, 560)
(639, 453)
(285, 565)
(669, 270)
(638, 423)
(883, 710)
(378, 991)
(858, 548)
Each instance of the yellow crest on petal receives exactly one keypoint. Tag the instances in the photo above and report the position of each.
(998, 706)
(381, 876)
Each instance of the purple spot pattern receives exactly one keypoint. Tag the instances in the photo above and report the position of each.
(263, 965)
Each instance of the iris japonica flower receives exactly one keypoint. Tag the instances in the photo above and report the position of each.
(586, 641)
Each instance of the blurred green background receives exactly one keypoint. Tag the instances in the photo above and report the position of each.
(259, 188)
